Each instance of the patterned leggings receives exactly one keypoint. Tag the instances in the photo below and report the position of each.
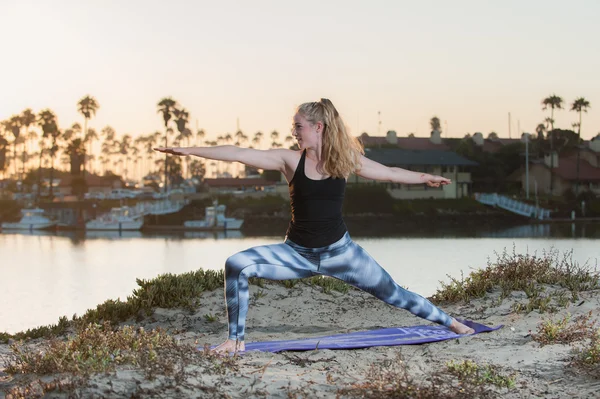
(343, 259)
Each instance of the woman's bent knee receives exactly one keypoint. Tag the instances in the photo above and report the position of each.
(235, 263)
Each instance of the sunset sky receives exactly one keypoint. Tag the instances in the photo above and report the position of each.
(468, 62)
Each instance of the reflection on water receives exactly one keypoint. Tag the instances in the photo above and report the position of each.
(555, 230)
(78, 236)
(45, 275)
(213, 234)
(111, 234)
(535, 230)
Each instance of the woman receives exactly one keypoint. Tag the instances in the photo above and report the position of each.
(317, 241)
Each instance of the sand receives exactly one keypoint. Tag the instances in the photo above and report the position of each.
(304, 311)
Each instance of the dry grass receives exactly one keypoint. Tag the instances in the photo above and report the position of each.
(564, 330)
(392, 379)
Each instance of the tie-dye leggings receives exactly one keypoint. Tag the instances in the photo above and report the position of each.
(343, 259)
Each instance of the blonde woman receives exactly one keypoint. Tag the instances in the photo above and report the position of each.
(317, 241)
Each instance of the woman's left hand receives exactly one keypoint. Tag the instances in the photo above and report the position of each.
(436, 181)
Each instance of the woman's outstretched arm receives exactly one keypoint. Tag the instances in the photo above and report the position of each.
(273, 159)
(375, 171)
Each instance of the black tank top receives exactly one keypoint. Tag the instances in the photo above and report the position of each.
(316, 209)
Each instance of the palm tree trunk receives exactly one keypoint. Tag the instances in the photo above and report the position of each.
(51, 177)
(23, 160)
(578, 155)
(166, 172)
(39, 188)
(552, 153)
(15, 159)
(84, 133)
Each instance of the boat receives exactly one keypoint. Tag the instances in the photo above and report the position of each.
(214, 219)
(32, 219)
(120, 219)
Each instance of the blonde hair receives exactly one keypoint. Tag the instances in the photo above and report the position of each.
(341, 152)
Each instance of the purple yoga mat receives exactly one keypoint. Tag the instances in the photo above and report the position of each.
(364, 339)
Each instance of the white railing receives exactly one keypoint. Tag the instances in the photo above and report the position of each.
(518, 207)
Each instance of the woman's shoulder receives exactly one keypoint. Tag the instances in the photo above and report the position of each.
(289, 156)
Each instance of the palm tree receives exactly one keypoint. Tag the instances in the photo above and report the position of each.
(257, 138)
(47, 121)
(436, 125)
(76, 152)
(89, 138)
(3, 145)
(239, 135)
(182, 119)
(289, 140)
(14, 125)
(27, 119)
(32, 136)
(124, 146)
(540, 130)
(274, 138)
(554, 102)
(166, 106)
(87, 106)
(200, 135)
(579, 105)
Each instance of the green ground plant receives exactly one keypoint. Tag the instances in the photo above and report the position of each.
(530, 274)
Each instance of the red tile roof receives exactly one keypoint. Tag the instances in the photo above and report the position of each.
(407, 143)
(567, 169)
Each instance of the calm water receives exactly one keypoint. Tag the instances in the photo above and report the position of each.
(45, 276)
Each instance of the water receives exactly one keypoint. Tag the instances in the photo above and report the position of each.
(46, 275)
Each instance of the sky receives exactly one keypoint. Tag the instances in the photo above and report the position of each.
(385, 64)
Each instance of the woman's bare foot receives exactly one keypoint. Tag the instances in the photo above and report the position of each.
(460, 328)
(230, 346)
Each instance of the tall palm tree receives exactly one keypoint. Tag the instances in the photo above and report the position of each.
(75, 151)
(89, 138)
(239, 135)
(274, 138)
(166, 106)
(87, 106)
(27, 119)
(289, 140)
(3, 146)
(32, 136)
(553, 102)
(579, 105)
(110, 145)
(200, 135)
(124, 148)
(257, 139)
(14, 125)
(181, 120)
(47, 121)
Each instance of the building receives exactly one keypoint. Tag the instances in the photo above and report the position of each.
(95, 184)
(420, 154)
(565, 177)
(438, 162)
(564, 172)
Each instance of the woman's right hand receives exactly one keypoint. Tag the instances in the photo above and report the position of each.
(173, 150)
